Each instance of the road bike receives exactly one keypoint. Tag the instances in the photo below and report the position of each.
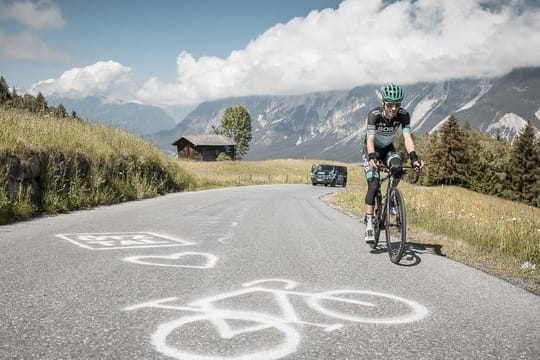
(390, 212)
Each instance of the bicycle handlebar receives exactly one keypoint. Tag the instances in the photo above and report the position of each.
(417, 171)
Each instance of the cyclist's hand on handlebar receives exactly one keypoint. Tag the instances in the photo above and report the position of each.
(418, 165)
(372, 160)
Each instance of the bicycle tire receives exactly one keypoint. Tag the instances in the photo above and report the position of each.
(396, 226)
(376, 222)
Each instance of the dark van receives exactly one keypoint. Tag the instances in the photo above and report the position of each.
(328, 174)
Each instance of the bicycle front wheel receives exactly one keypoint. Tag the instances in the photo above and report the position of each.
(396, 225)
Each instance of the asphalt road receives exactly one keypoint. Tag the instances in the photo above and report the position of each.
(261, 272)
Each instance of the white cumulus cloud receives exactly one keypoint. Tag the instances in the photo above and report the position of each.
(361, 42)
(364, 42)
(105, 78)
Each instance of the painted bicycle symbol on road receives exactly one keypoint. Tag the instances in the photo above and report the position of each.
(269, 334)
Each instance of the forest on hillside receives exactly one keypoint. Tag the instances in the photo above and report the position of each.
(456, 154)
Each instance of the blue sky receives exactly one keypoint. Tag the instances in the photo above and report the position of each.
(181, 52)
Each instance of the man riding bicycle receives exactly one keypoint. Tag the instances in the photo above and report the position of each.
(383, 123)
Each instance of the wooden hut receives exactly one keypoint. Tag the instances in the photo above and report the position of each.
(204, 147)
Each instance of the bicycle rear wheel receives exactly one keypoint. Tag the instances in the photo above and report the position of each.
(396, 225)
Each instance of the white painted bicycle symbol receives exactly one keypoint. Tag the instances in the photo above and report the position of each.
(326, 310)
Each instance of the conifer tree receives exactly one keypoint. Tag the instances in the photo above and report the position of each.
(17, 101)
(488, 169)
(61, 111)
(536, 172)
(525, 182)
(40, 104)
(447, 155)
(4, 91)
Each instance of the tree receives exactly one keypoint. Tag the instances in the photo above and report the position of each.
(536, 189)
(236, 125)
(525, 161)
(17, 100)
(447, 155)
(4, 91)
(61, 111)
(40, 104)
(488, 169)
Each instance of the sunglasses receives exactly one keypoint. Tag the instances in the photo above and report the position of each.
(391, 105)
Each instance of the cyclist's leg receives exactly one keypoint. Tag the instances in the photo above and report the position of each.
(372, 179)
(394, 162)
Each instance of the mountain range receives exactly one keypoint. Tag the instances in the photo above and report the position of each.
(330, 125)
(136, 118)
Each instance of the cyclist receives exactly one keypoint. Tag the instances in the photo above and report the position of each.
(383, 123)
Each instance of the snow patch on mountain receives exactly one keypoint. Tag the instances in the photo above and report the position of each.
(262, 120)
(484, 88)
(422, 109)
(509, 120)
(537, 114)
(507, 126)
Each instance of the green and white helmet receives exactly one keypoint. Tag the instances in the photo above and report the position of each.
(392, 93)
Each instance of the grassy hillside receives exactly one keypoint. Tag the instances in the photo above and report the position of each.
(81, 165)
(50, 165)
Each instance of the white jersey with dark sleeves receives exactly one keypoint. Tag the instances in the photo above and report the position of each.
(385, 130)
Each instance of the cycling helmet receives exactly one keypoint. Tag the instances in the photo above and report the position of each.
(392, 93)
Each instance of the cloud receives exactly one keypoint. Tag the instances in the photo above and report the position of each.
(364, 42)
(105, 78)
(26, 45)
(361, 42)
(41, 15)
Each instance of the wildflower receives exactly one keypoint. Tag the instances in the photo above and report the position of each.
(528, 266)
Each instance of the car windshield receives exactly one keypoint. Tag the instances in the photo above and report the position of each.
(325, 167)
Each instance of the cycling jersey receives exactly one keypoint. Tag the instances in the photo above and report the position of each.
(385, 130)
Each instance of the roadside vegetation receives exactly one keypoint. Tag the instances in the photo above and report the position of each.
(238, 173)
(497, 236)
(54, 164)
